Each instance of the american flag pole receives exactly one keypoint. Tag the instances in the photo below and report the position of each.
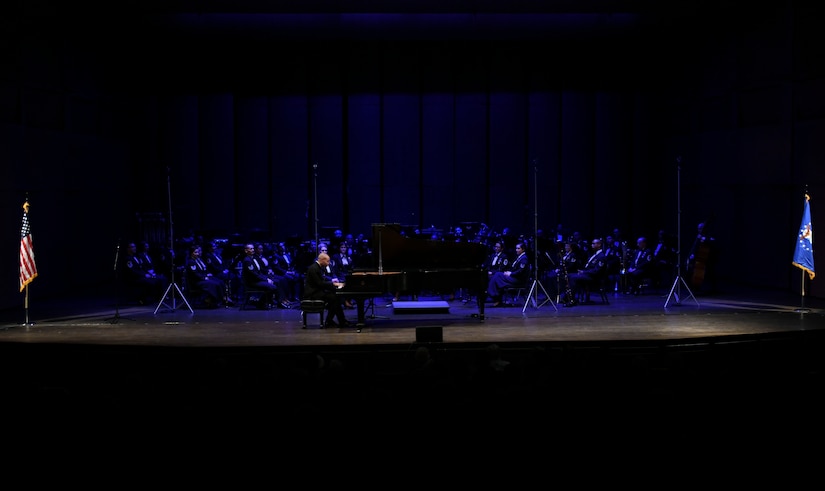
(804, 253)
(28, 269)
(26, 307)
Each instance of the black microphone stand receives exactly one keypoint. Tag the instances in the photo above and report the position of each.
(173, 287)
(315, 205)
(678, 282)
(533, 296)
(116, 318)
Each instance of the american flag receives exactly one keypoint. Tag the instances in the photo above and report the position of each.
(28, 270)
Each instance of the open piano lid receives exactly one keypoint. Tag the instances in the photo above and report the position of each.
(395, 251)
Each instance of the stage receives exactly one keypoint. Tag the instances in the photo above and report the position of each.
(656, 316)
(738, 348)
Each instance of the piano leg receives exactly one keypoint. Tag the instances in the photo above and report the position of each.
(360, 304)
(480, 302)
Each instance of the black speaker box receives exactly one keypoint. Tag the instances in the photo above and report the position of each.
(429, 334)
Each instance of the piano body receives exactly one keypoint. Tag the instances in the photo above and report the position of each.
(402, 263)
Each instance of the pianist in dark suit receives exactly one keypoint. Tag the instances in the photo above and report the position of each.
(318, 287)
(517, 274)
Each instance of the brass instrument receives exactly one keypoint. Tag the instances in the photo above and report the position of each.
(623, 271)
(569, 298)
(558, 279)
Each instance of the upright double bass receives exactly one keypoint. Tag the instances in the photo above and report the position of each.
(700, 256)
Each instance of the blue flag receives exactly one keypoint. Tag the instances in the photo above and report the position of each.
(804, 256)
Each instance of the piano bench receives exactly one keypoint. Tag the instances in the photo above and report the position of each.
(312, 307)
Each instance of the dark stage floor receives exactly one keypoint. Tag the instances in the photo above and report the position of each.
(659, 316)
(740, 348)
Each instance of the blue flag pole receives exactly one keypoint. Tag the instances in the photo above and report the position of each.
(804, 253)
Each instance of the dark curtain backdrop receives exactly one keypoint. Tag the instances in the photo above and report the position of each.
(240, 164)
(234, 134)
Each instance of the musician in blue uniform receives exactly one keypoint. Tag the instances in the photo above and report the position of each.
(342, 265)
(147, 285)
(254, 277)
(497, 261)
(199, 279)
(149, 264)
(569, 262)
(518, 273)
(219, 268)
(593, 272)
(642, 266)
(284, 265)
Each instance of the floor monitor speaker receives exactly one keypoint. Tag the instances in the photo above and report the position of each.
(429, 334)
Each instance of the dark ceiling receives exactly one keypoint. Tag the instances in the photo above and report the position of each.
(176, 42)
(370, 19)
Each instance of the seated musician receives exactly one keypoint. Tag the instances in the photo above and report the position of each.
(557, 280)
(263, 258)
(199, 279)
(219, 268)
(614, 255)
(148, 286)
(254, 277)
(342, 265)
(498, 260)
(642, 266)
(283, 265)
(318, 287)
(517, 274)
(149, 263)
(593, 272)
(664, 255)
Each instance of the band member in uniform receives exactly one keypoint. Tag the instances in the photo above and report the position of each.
(497, 261)
(254, 277)
(558, 279)
(147, 285)
(593, 272)
(641, 267)
(198, 278)
(219, 268)
(342, 265)
(517, 274)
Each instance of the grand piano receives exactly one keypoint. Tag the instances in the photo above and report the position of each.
(404, 263)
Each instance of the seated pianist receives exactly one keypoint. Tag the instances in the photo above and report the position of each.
(318, 287)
